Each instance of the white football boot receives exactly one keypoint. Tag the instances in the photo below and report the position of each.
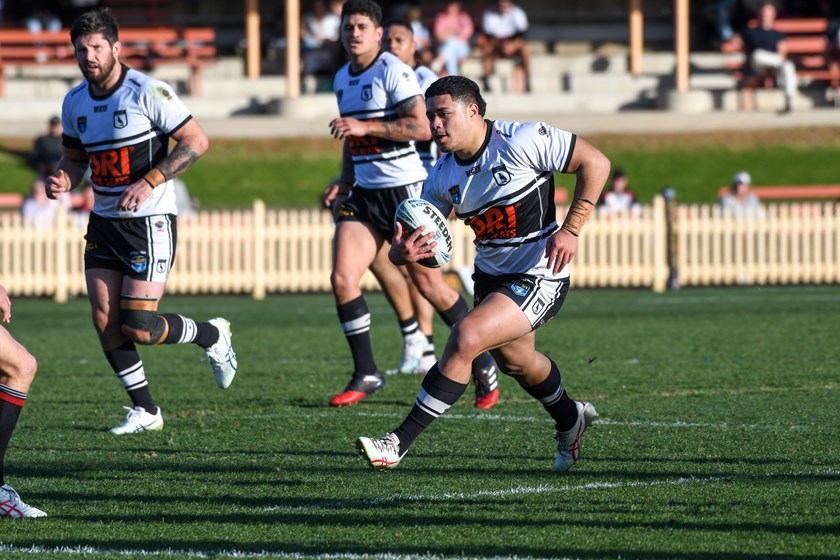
(413, 347)
(12, 506)
(568, 442)
(138, 420)
(427, 361)
(221, 355)
(382, 453)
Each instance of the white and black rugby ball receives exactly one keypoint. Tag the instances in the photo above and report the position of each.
(415, 212)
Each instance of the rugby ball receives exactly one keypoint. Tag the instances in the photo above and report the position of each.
(415, 212)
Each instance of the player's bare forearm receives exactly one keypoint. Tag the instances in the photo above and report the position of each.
(182, 157)
(412, 123)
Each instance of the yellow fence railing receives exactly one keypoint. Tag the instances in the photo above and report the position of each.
(260, 250)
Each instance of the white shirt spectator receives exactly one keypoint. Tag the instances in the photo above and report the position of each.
(507, 24)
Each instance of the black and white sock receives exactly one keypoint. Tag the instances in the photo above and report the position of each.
(355, 322)
(555, 400)
(127, 365)
(183, 330)
(437, 394)
(409, 326)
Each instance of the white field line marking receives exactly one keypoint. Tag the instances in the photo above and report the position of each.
(92, 551)
(516, 491)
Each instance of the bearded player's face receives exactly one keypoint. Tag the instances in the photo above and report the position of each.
(97, 58)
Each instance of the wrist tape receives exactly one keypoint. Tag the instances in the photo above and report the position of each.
(577, 215)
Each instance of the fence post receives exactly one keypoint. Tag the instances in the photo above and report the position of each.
(259, 249)
(660, 244)
(62, 271)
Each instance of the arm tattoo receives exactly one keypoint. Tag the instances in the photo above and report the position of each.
(181, 159)
(405, 125)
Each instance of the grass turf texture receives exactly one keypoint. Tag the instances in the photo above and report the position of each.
(294, 172)
(718, 438)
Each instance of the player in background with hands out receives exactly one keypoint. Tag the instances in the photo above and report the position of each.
(500, 173)
(382, 114)
(17, 371)
(119, 123)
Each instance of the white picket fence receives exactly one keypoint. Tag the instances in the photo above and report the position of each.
(259, 250)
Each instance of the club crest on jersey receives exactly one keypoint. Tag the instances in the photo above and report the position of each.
(455, 194)
(519, 289)
(138, 261)
(339, 94)
(81, 124)
(161, 266)
(367, 92)
(501, 175)
(120, 119)
(538, 306)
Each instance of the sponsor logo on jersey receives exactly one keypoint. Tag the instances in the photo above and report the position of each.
(502, 134)
(353, 82)
(473, 171)
(159, 224)
(111, 168)
(120, 119)
(90, 247)
(495, 223)
(364, 145)
(165, 93)
(138, 261)
(81, 124)
(519, 288)
(543, 131)
(100, 108)
(455, 194)
(501, 175)
(344, 211)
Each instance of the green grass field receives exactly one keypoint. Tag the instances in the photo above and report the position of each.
(718, 438)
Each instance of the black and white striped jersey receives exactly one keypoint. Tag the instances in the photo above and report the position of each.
(426, 148)
(373, 94)
(125, 134)
(505, 193)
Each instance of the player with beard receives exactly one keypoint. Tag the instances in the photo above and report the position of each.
(498, 177)
(118, 123)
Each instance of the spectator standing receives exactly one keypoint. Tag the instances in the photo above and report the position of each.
(504, 27)
(453, 30)
(766, 54)
(39, 211)
(46, 151)
(740, 202)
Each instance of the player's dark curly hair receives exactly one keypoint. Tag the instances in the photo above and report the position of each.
(461, 89)
(96, 21)
(367, 8)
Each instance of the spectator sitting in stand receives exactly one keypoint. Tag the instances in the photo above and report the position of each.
(618, 198)
(319, 38)
(504, 28)
(422, 37)
(453, 30)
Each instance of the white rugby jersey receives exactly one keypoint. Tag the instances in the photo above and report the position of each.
(373, 94)
(125, 133)
(505, 193)
(426, 148)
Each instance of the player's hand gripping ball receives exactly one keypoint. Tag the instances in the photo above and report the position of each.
(415, 212)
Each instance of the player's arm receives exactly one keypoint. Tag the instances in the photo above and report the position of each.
(411, 124)
(69, 172)
(339, 189)
(591, 169)
(5, 306)
(191, 143)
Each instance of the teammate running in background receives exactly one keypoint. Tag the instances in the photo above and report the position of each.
(382, 113)
(119, 122)
(500, 173)
(17, 370)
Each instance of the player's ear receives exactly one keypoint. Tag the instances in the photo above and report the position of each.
(116, 48)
